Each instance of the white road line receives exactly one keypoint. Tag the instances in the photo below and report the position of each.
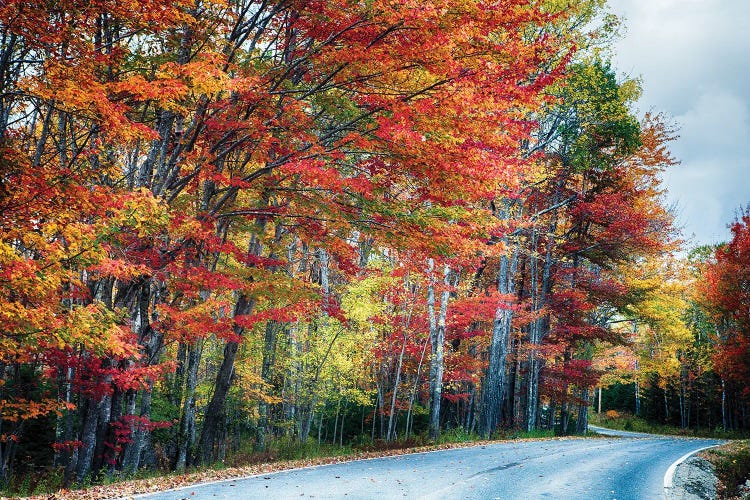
(669, 476)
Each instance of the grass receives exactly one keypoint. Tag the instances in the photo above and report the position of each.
(627, 422)
(286, 448)
(732, 462)
(518, 434)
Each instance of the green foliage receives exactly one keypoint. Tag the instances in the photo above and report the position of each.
(732, 464)
(597, 125)
(619, 397)
(624, 421)
(286, 448)
(518, 434)
(457, 435)
(162, 410)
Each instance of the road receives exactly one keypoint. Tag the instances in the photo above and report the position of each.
(623, 466)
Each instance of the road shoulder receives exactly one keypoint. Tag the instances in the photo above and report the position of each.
(693, 479)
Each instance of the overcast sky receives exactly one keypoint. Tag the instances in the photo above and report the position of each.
(694, 60)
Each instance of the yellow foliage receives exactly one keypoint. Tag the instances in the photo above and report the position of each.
(662, 334)
(362, 299)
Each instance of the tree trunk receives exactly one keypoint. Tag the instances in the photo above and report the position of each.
(396, 383)
(539, 327)
(683, 402)
(102, 428)
(723, 406)
(88, 438)
(186, 435)
(582, 423)
(214, 414)
(292, 380)
(518, 395)
(269, 356)
(564, 418)
(343, 420)
(412, 397)
(140, 436)
(637, 399)
(375, 416)
(64, 424)
(552, 414)
(437, 336)
(493, 391)
(320, 426)
(532, 376)
(336, 421)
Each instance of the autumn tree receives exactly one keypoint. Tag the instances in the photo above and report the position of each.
(232, 221)
(725, 285)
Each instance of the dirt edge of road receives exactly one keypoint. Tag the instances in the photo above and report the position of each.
(694, 479)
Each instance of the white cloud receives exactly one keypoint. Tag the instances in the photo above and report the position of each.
(717, 124)
(692, 56)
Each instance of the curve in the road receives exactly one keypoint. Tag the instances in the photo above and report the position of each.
(669, 475)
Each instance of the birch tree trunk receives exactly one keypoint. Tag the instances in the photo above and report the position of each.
(396, 383)
(532, 377)
(417, 377)
(437, 337)
(539, 327)
(637, 385)
(307, 410)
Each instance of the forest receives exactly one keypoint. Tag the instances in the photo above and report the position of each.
(228, 224)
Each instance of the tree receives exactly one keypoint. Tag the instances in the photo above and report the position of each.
(231, 221)
(726, 297)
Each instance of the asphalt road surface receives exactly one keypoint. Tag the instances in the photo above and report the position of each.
(623, 466)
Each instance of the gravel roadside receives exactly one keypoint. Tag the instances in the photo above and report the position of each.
(694, 479)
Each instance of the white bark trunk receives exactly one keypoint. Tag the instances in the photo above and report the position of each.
(437, 335)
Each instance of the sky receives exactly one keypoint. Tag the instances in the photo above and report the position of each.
(693, 57)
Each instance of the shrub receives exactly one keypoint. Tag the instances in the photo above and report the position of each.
(732, 462)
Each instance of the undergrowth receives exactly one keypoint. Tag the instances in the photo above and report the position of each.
(732, 462)
(627, 422)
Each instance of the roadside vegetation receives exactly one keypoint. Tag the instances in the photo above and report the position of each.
(613, 419)
(732, 462)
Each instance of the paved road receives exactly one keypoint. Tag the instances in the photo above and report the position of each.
(626, 466)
